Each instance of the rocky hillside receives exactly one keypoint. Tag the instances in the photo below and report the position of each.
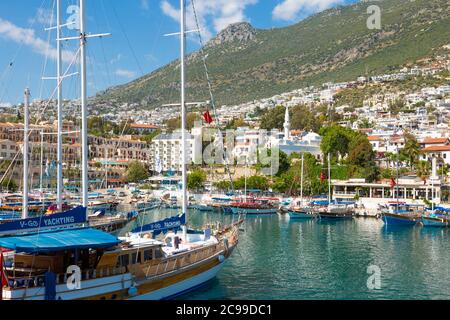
(334, 45)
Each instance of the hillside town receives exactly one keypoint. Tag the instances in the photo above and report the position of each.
(424, 114)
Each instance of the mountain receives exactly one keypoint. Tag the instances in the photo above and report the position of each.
(335, 45)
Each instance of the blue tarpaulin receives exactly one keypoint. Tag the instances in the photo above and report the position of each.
(59, 240)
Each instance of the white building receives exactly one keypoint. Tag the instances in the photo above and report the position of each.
(167, 152)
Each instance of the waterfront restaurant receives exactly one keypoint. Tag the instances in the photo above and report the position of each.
(410, 189)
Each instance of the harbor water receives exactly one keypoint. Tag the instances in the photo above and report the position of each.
(279, 258)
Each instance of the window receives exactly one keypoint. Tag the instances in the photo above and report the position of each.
(123, 260)
(133, 258)
(148, 255)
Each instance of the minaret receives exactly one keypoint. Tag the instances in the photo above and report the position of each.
(287, 125)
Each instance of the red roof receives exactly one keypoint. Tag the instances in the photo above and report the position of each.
(436, 148)
(375, 138)
(434, 140)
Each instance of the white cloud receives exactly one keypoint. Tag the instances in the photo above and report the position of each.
(45, 17)
(125, 73)
(28, 37)
(218, 13)
(289, 10)
(145, 4)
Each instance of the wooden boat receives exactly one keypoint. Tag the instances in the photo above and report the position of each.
(336, 212)
(253, 207)
(401, 214)
(435, 218)
(301, 214)
(134, 267)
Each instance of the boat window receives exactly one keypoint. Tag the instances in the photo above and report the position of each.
(123, 261)
(133, 258)
(148, 255)
(158, 253)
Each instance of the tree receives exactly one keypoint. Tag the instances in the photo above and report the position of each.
(273, 119)
(303, 118)
(423, 169)
(9, 185)
(361, 152)
(336, 140)
(136, 172)
(175, 123)
(196, 179)
(236, 123)
(411, 150)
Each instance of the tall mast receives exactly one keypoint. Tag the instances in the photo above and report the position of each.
(301, 179)
(84, 133)
(25, 153)
(59, 160)
(183, 104)
(329, 179)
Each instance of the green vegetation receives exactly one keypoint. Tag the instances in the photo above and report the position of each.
(9, 185)
(196, 179)
(175, 123)
(334, 45)
(136, 172)
(301, 116)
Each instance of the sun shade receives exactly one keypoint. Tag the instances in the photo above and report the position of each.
(85, 238)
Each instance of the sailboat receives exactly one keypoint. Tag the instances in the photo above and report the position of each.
(300, 210)
(334, 210)
(85, 263)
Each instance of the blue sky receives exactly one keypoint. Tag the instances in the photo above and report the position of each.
(137, 45)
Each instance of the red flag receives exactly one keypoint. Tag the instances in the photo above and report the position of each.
(207, 117)
(3, 278)
(393, 184)
(322, 176)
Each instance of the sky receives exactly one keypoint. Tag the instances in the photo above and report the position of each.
(137, 44)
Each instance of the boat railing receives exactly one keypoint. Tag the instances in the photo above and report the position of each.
(39, 280)
(179, 261)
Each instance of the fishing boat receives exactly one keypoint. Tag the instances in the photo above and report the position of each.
(436, 217)
(402, 214)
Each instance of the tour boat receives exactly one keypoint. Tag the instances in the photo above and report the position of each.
(85, 263)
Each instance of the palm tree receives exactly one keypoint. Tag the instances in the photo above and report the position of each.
(411, 150)
(423, 169)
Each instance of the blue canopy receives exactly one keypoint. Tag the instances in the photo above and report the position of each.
(84, 238)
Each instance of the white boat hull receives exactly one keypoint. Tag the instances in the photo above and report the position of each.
(182, 286)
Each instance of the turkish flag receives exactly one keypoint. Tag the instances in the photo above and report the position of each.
(393, 184)
(322, 176)
(3, 278)
(207, 117)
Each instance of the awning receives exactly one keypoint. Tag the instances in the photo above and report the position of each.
(85, 238)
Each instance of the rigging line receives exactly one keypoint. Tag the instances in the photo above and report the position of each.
(31, 23)
(44, 67)
(40, 116)
(128, 40)
(213, 103)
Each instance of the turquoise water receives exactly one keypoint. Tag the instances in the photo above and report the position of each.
(281, 259)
